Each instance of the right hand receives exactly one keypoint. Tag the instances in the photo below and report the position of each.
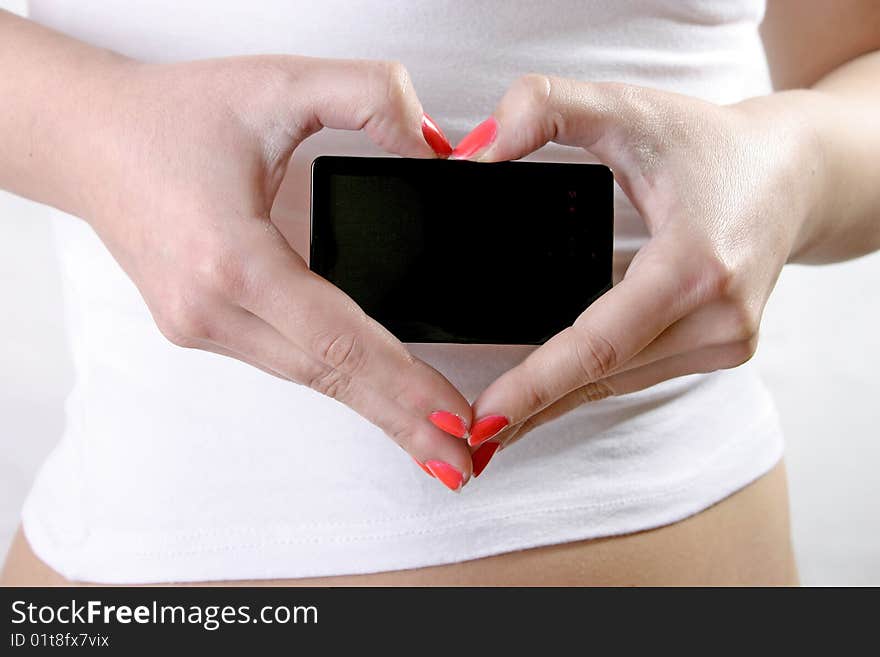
(191, 158)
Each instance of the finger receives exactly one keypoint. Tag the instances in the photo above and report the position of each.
(483, 454)
(627, 127)
(707, 359)
(716, 324)
(511, 437)
(374, 96)
(347, 355)
(241, 335)
(654, 294)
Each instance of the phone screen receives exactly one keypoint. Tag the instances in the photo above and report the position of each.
(454, 251)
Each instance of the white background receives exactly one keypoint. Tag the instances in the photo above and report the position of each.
(820, 354)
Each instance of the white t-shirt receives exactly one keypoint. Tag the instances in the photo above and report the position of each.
(183, 465)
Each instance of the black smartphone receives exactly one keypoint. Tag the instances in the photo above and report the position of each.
(465, 252)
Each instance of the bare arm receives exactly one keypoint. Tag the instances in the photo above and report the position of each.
(176, 167)
(728, 193)
(57, 98)
(830, 47)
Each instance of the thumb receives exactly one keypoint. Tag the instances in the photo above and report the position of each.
(374, 96)
(599, 117)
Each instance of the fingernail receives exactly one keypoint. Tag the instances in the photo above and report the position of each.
(435, 137)
(477, 139)
(486, 428)
(483, 455)
(447, 474)
(422, 466)
(449, 422)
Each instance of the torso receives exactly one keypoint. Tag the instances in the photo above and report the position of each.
(139, 487)
(743, 540)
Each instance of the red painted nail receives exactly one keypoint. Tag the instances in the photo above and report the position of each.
(477, 139)
(449, 422)
(435, 137)
(422, 466)
(486, 428)
(450, 477)
(483, 455)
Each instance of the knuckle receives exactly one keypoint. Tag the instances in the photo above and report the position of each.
(183, 322)
(394, 83)
(341, 351)
(330, 382)
(743, 320)
(741, 352)
(530, 108)
(594, 391)
(533, 90)
(596, 355)
(175, 336)
(221, 271)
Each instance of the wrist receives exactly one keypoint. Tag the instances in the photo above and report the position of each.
(787, 131)
(56, 91)
(91, 134)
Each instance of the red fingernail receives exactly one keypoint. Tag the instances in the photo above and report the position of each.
(486, 428)
(449, 422)
(450, 477)
(483, 455)
(435, 137)
(422, 466)
(477, 139)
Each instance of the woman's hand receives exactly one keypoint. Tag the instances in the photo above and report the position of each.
(192, 156)
(724, 192)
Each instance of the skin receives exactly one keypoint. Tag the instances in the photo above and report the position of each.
(730, 194)
(176, 168)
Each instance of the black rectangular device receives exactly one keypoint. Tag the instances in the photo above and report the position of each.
(466, 252)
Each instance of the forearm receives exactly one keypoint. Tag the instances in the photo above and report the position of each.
(57, 99)
(839, 170)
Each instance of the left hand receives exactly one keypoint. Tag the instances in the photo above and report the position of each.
(724, 192)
